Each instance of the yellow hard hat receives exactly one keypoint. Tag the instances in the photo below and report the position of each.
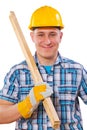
(45, 16)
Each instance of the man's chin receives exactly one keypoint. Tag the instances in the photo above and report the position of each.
(47, 56)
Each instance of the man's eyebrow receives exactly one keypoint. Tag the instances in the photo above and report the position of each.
(39, 32)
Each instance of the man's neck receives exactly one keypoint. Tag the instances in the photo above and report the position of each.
(47, 61)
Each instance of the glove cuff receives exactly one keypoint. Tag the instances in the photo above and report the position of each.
(25, 107)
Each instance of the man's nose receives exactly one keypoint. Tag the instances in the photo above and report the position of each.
(47, 39)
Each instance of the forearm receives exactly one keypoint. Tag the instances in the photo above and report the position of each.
(9, 113)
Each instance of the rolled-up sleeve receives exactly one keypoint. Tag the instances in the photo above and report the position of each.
(9, 91)
(83, 86)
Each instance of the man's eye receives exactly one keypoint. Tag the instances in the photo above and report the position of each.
(53, 34)
(39, 34)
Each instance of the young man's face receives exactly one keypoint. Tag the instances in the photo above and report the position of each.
(46, 41)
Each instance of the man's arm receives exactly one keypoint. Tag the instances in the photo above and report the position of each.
(8, 112)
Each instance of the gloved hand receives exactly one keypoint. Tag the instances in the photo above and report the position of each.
(30, 103)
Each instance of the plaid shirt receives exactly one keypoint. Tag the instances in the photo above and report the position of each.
(68, 80)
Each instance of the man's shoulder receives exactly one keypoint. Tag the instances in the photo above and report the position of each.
(65, 59)
(71, 62)
(22, 66)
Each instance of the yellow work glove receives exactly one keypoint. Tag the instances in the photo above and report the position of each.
(30, 103)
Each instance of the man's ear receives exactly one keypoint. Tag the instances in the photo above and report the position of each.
(32, 36)
(61, 35)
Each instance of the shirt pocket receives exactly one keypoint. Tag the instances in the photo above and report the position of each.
(67, 96)
(24, 91)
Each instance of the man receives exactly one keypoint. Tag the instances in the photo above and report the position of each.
(66, 78)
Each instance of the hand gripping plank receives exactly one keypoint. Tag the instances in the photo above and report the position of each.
(55, 122)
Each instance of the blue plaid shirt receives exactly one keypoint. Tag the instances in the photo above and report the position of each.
(68, 80)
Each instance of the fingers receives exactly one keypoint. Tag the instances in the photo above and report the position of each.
(40, 92)
(48, 92)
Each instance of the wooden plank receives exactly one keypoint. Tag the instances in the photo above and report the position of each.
(48, 105)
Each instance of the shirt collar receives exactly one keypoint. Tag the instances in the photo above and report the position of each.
(59, 59)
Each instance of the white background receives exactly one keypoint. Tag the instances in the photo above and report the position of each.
(73, 45)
